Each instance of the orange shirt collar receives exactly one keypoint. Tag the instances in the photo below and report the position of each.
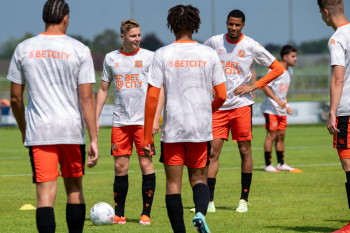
(52, 34)
(129, 54)
(185, 41)
(343, 24)
(240, 39)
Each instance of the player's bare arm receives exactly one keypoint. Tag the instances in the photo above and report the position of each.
(268, 91)
(150, 110)
(336, 89)
(18, 107)
(100, 101)
(88, 111)
(158, 111)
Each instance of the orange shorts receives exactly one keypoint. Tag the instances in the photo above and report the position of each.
(275, 122)
(123, 138)
(238, 119)
(191, 154)
(341, 140)
(45, 159)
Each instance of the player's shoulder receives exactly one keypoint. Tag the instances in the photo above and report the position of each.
(250, 41)
(113, 55)
(205, 48)
(341, 35)
(218, 38)
(145, 53)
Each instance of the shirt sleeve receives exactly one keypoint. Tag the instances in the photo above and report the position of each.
(157, 73)
(86, 70)
(337, 52)
(209, 42)
(262, 56)
(107, 74)
(218, 73)
(15, 73)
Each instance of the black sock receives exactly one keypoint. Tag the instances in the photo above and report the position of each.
(267, 158)
(280, 157)
(75, 216)
(348, 177)
(347, 186)
(148, 188)
(201, 198)
(211, 185)
(45, 220)
(246, 180)
(121, 186)
(175, 212)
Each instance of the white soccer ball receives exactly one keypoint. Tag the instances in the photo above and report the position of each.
(102, 214)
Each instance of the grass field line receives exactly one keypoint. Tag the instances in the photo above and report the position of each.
(222, 168)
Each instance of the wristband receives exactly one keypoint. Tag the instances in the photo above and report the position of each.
(287, 105)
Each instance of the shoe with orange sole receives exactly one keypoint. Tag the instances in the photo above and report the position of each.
(119, 220)
(145, 220)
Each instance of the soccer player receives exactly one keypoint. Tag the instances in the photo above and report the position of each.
(237, 53)
(187, 70)
(275, 109)
(332, 12)
(59, 74)
(129, 69)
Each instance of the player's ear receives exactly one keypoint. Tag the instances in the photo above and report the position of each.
(327, 12)
(122, 37)
(243, 24)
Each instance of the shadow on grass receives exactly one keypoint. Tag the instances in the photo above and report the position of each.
(305, 229)
(128, 220)
(216, 207)
(259, 169)
(337, 220)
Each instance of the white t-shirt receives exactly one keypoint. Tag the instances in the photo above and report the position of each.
(237, 61)
(130, 74)
(339, 47)
(188, 71)
(279, 87)
(52, 66)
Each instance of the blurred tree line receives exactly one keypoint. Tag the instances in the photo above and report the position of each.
(109, 40)
(102, 43)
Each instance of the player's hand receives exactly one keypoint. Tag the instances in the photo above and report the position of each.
(282, 104)
(149, 150)
(97, 128)
(331, 125)
(213, 91)
(155, 126)
(24, 138)
(246, 88)
(93, 154)
(289, 111)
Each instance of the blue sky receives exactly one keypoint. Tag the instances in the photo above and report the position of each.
(267, 21)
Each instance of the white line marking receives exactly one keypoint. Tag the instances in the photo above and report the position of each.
(223, 168)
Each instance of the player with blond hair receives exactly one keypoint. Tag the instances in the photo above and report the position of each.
(332, 12)
(129, 70)
(59, 74)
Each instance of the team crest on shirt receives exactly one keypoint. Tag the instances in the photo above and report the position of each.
(118, 81)
(116, 65)
(138, 64)
(332, 41)
(31, 54)
(241, 53)
(171, 64)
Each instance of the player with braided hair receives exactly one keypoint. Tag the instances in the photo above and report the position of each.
(187, 70)
(54, 131)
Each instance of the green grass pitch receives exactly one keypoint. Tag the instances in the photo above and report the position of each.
(313, 201)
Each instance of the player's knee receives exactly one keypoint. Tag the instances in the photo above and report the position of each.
(281, 136)
(146, 167)
(245, 152)
(121, 169)
(271, 135)
(214, 154)
(73, 184)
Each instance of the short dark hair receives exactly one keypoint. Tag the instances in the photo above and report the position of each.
(333, 6)
(287, 49)
(181, 18)
(236, 14)
(54, 11)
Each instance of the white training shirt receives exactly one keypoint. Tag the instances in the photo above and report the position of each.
(188, 71)
(52, 66)
(237, 61)
(279, 87)
(129, 73)
(339, 47)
